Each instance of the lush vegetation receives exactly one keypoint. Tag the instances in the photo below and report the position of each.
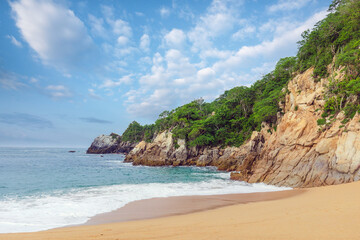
(339, 36)
(230, 119)
(340, 96)
(336, 35)
(134, 133)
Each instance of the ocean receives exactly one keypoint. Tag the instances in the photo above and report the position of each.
(43, 188)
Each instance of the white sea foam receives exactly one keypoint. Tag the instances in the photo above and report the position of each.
(78, 205)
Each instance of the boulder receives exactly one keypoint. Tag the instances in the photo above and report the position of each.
(110, 144)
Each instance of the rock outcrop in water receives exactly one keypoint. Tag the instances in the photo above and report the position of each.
(110, 144)
(298, 154)
(163, 151)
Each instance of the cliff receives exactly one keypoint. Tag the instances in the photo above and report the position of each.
(110, 144)
(297, 153)
(301, 153)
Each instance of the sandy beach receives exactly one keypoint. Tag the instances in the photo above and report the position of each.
(330, 212)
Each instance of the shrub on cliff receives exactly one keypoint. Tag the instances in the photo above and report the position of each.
(337, 33)
(133, 133)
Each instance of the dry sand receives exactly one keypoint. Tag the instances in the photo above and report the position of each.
(331, 212)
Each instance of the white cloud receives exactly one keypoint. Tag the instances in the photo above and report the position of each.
(122, 40)
(67, 75)
(215, 53)
(146, 60)
(97, 26)
(178, 65)
(206, 74)
(93, 95)
(180, 81)
(287, 5)
(158, 101)
(9, 80)
(218, 20)
(121, 52)
(185, 12)
(54, 32)
(116, 66)
(164, 12)
(58, 91)
(120, 34)
(276, 27)
(145, 42)
(276, 48)
(107, 11)
(14, 41)
(126, 79)
(122, 27)
(218, 23)
(175, 38)
(158, 75)
(108, 83)
(244, 32)
(34, 80)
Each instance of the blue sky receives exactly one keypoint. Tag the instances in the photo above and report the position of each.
(72, 70)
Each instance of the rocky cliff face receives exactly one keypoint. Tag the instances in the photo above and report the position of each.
(302, 154)
(298, 154)
(110, 144)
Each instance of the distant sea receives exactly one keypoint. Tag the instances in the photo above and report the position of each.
(43, 188)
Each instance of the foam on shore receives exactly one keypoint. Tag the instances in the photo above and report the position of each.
(76, 206)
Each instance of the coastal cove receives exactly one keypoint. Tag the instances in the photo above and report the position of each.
(202, 120)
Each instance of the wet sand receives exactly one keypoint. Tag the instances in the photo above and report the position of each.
(162, 207)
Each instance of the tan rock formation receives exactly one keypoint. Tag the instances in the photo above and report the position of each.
(300, 153)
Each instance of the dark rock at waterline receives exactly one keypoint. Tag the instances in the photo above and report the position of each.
(110, 144)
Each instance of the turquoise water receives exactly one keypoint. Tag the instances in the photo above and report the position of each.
(42, 188)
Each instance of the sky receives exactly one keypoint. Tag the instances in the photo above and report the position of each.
(72, 70)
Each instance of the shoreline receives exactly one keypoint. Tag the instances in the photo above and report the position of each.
(160, 207)
(328, 212)
(179, 205)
